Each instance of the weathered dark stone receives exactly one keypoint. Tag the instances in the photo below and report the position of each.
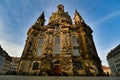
(61, 47)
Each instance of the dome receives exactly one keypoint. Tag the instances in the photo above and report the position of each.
(60, 16)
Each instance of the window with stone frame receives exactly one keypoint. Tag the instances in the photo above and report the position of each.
(74, 40)
(75, 51)
(75, 46)
(57, 27)
(77, 65)
(39, 52)
(35, 66)
(57, 44)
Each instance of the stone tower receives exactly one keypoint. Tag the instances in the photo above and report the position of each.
(60, 48)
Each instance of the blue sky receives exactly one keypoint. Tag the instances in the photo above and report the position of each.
(17, 16)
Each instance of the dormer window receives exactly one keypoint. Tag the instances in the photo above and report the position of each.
(60, 8)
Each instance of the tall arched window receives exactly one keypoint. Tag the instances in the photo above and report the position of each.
(74, 40)
(75, 46)
(57, 44)
(39, 52)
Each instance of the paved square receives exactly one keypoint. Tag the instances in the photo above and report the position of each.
(17, 77)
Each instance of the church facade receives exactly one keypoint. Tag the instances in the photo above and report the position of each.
(61, 47)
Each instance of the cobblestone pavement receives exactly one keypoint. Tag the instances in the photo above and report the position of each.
(16, 77)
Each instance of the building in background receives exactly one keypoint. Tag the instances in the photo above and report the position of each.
(5, 61)
(14, 65)
(61, 47)
(2, 59)
(106, 70)
(113, 59)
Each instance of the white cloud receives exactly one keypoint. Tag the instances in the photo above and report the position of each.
(11, 48)
(107, 17)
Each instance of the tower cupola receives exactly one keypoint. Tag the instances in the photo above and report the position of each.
(60, 8)
(60, 16)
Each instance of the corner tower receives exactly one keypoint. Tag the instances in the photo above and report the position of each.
(60, 48)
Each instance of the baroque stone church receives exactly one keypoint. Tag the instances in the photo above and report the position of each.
(61, 48)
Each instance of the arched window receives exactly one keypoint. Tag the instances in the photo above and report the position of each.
(39, 52)
(75, 46)
(35, 66)
(57, 44)
(74, 40)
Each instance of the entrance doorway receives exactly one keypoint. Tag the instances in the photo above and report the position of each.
(57, 69)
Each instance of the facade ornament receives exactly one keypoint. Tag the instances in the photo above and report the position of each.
(41, 20)
(77, 18)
